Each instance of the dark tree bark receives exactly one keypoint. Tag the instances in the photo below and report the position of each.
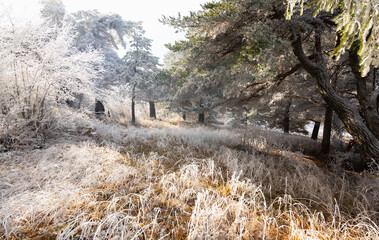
(133, 104)
(99, 107)
(201, 117)
(184, 116)
(286, 119)
(367, 96)
(325, 144)
(367, 143)
(133, 112)
(316, 129)
(152, 110)
(134, 97)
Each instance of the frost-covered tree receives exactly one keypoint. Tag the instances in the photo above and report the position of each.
(139, 70)
(100, 30)
(245, 61)
(39, 70)
(254, 37)
(156, 87)
(104, 32)
(53, 12)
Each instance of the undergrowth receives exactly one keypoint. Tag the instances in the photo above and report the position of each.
(109, 182)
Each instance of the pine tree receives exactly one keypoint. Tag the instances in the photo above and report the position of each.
(254, 38)
(140, 67)
(103, 32)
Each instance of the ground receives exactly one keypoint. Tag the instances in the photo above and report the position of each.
(165, 181)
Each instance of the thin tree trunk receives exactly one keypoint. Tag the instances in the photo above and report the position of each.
(152, 110)
(286, 127)
(201, 117)
(316, 129)
(325, 144)
(133, 104)
(286, 119)
(133, 112)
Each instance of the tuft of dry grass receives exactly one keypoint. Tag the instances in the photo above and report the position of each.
(176, 183)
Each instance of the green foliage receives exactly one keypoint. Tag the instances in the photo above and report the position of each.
(191, 42)
(252, 50)
(210, 11)
(357, 21)
(217, 8)
(178, 46)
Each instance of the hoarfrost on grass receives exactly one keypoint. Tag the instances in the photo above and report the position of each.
(174, 183)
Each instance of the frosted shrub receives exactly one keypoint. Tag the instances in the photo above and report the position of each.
(40, 70)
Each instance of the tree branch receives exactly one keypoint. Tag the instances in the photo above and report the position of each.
(306, 63)
(282, 76)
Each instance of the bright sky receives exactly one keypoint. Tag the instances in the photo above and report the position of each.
(148, 11)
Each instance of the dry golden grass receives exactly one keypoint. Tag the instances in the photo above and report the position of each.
(179, 183)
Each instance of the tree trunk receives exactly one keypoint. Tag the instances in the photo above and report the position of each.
(315, 131)
(367, 143)
(152, 110)
(325, 144)
(286, 119)
(367, 97)
(99, 109)
(133, 112)
(201, 117)
(133, 104)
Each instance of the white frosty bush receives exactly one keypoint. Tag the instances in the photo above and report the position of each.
(40, 69)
